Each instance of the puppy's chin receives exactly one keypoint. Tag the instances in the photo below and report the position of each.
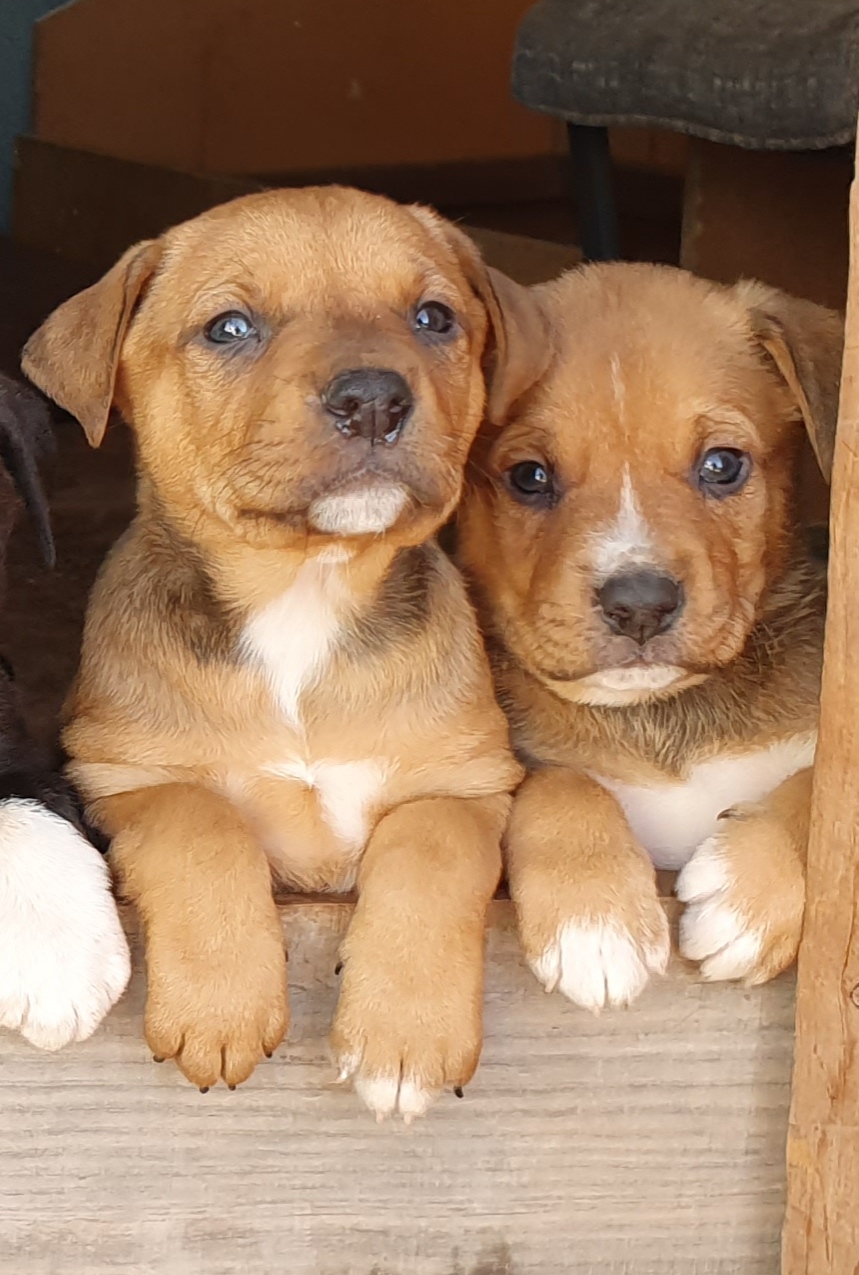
(361, 511)
(616, 687)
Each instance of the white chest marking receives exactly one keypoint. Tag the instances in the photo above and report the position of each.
(293, 637)
(670, 820)
(627, 541)
(347, 792)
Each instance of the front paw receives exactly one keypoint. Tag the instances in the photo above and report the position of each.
(744, 891)
(215, 1011)
(596, 942)
(63, 955)
(403, 1033)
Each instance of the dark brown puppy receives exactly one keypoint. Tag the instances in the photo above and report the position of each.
(281, 672)
(656, 622)
(63, 955)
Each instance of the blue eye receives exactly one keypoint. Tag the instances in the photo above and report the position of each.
(723, 470)
(433, 318)
(226, 329)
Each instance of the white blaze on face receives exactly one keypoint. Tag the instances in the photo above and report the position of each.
(617, 385)
(627, 541)
(361, 512)
(625, 545)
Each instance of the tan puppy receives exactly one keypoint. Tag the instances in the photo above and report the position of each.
(656, 623)
(281, 672)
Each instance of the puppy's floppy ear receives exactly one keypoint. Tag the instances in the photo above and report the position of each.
(518, 346)
(73, 357)
(806, 343)
(25, 436)
(522, 347)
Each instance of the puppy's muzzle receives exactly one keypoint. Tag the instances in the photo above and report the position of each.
(640, 604)
(369, 403)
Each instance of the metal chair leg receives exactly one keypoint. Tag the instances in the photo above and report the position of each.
(593, 192)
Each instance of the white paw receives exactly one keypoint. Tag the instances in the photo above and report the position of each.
(596, 964)
(63, 955)
(712, 931)
(388, 1095)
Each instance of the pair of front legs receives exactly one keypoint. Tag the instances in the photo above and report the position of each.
(409, 1017)
(590, 920)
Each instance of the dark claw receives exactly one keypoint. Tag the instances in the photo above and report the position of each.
(338, 967)
(232, 1087)
(458, 1091)
(204, 1089)
(268, 1052)
(155, 1058)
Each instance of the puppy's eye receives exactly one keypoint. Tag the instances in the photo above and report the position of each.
(723, 470)
(531, 482)
(434, 319)
(228, 328)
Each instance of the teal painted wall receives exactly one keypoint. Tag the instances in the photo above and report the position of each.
(16, 47)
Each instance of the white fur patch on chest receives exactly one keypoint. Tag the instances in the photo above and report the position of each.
(347, 792)
(671, 819)
(293, 637)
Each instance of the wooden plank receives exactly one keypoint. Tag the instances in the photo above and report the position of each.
(779, 216)
(643, 1142)
(125, 79)
(89, 207)
(821, 1235)
(526, 260)
(269, 85)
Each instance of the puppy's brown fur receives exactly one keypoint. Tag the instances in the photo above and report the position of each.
(695, 743)
(260, 696)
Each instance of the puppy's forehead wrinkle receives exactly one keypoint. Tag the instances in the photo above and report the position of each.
(532, 435)
(368, 255)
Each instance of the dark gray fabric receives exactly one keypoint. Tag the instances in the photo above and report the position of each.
(765, 74)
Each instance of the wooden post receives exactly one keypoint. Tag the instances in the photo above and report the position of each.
(821, 1232)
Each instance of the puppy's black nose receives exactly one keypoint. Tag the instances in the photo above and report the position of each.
(640, 604)
(370, 402)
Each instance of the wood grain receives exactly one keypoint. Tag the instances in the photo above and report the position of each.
(778, 216)
(273, 85)
(645, 1141)
(87, 207)
(821, 1235)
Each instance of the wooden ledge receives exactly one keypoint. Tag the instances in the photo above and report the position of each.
(641, 1141)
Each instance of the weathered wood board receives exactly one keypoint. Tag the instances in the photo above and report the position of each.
(821, 1235)
(88, 207)
(641, 1142)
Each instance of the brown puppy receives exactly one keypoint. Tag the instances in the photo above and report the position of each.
(656, 623)
(281, 673)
